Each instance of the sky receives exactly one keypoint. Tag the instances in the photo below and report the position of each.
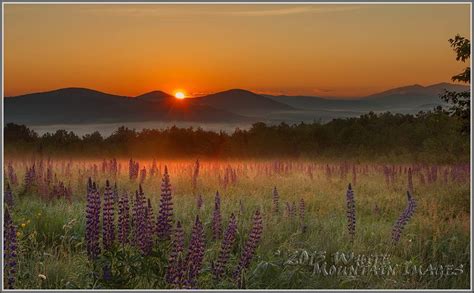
(320, 50)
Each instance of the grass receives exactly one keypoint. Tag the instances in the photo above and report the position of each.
(51, 232)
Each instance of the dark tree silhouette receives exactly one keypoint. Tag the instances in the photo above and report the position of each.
(460, 101)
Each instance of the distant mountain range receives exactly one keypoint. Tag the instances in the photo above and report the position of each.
(82, 106)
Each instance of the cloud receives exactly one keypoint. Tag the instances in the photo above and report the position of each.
(295, 10)
(178, 11)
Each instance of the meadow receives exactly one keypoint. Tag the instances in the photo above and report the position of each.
(295, 224)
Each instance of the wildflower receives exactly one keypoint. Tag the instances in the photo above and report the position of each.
(9, 249)
(92, 220)
(250, 245)
(216, 218)
(174, 272)
(123, 220)
(276, 200)
(8, 196)
(195, 254)
(404, 218)
(108, 217)
(351, 212)
(166, 208)
(226, 246)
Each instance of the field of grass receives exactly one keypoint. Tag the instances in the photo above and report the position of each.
(433, 250)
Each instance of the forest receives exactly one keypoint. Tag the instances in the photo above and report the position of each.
(434, 136)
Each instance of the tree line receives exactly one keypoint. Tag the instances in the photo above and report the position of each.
(433, 136)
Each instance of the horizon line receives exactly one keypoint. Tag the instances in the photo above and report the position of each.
(262, 93)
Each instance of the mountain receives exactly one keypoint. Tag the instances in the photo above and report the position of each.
(407, 99)
(85, 106)
(243, 102)
(79, 105)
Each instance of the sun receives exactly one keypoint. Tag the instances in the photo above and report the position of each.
(179, 95)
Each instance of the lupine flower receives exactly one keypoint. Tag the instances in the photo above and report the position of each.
(107, 273)
(351, 212)
(293, 210)
(142, 175)
(9, 250)
(115, 193)
(108, 217)
(124, 220)
(92, 220)
(250, 245)
(226, 247)
(276, 201)
(166, 208)
(216, 218)
(174, 273)
(12, 175)
(146, 239)
(138, 212)
(404, 218)
(302, 209)
(199, 201)
(8, 196)
(195, 254)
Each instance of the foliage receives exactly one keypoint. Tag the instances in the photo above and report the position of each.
(427, 136)
(460, 101)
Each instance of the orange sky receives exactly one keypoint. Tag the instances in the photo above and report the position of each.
(326, 50)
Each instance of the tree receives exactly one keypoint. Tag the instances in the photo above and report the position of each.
(460, 101)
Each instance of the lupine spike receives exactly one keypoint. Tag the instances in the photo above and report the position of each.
(216, 218)
(124, 220)
(404, 218)
(226, 247)
(351, 212)
(8, 197)
(9, 250)
(166, 208)
(276, 201)
(174, 273)
(108, 217)
(250, 245)
(195, 254)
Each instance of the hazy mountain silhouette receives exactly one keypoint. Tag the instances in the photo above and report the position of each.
(83, 106)
(243, 102)
(79, 105)
(407, 99)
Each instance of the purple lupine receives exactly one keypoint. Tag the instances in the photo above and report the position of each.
(404, 218)
(174, 273)
(146, 239)
(8, 196)
(12, 175)
(124, 220)
(199, 201)
(9, 250)
(115, 193)
(250, 246)
(92, 220)
(276, 201)
(302, 209)
(410, 180)
(108, 217)
(164, 222)
(351, 212)
(142, 175)
(195, 254)
(217, 218)
(226, 247)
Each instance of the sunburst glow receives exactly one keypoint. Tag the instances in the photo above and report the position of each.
(179, 95)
